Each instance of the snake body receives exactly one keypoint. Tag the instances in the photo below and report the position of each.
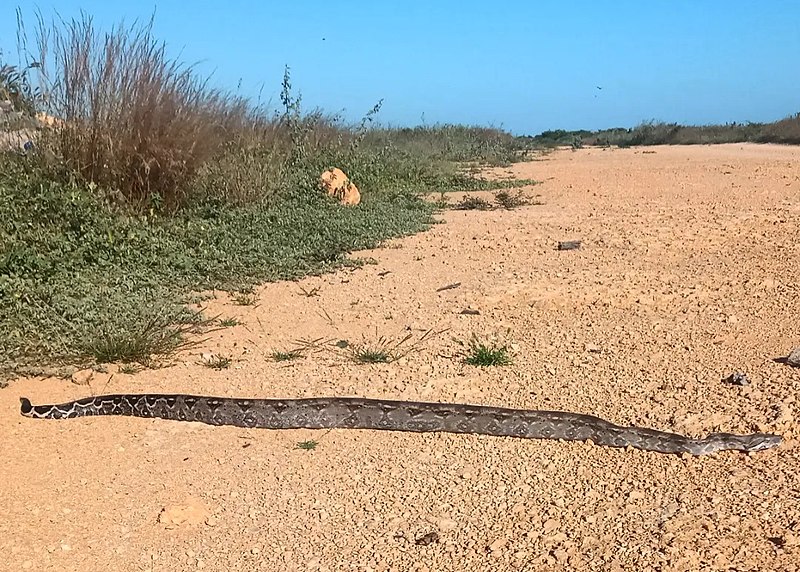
(420, 417)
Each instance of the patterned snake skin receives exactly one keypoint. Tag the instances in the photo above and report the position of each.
(358, 413)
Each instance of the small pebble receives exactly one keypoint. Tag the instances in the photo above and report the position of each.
(737, 378)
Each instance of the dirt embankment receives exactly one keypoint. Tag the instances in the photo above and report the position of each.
(687, 273)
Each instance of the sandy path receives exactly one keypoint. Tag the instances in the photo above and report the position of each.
(688, 273)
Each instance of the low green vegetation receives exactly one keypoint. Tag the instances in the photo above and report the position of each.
(502, 199)
(151, 188)
(473, 203)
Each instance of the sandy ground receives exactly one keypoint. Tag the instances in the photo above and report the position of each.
(688, 272)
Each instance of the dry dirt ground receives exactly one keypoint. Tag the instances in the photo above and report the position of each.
(688, 272)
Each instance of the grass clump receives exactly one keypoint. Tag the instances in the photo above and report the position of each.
(486, 354)
(382, 350)
(502, 199)
(130, 368)
(245, 299)
(307, 445)
(217, 362)
(162, 335)
(287, 356)
(364, 354)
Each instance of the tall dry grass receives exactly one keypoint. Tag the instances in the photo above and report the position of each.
(134, 119)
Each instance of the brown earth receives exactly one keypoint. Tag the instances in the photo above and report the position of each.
(687, 273)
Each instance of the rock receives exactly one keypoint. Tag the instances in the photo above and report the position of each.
(427, 539)
(793, 359)
(336, 184)
(82, 377)
(177, 515)
(550, 525)
(498, 544)
(446, 524)
(737, 378)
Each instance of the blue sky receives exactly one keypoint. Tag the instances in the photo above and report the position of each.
(525, 66)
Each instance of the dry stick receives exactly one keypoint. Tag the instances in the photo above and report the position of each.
(449, 287)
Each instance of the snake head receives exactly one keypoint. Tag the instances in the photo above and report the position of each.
(746, 443)
(761, 441)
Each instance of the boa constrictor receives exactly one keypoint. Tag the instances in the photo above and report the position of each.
(358, 413)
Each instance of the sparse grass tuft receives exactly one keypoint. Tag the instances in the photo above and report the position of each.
(216, 362)
(366, 354)
(487, 354)
(383, 350)
(287, 356)
(229, 322)
(309, 293)
(245, 299)
(307, 445)
(130, 368)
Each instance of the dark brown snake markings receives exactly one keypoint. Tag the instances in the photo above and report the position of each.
(358, 413)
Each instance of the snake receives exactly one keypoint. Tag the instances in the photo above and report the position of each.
(414, 416)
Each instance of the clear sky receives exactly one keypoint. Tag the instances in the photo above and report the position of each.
(525, 66)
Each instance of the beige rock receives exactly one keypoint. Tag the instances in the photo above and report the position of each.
(193, 512)
(82, 377)
(336, 184)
